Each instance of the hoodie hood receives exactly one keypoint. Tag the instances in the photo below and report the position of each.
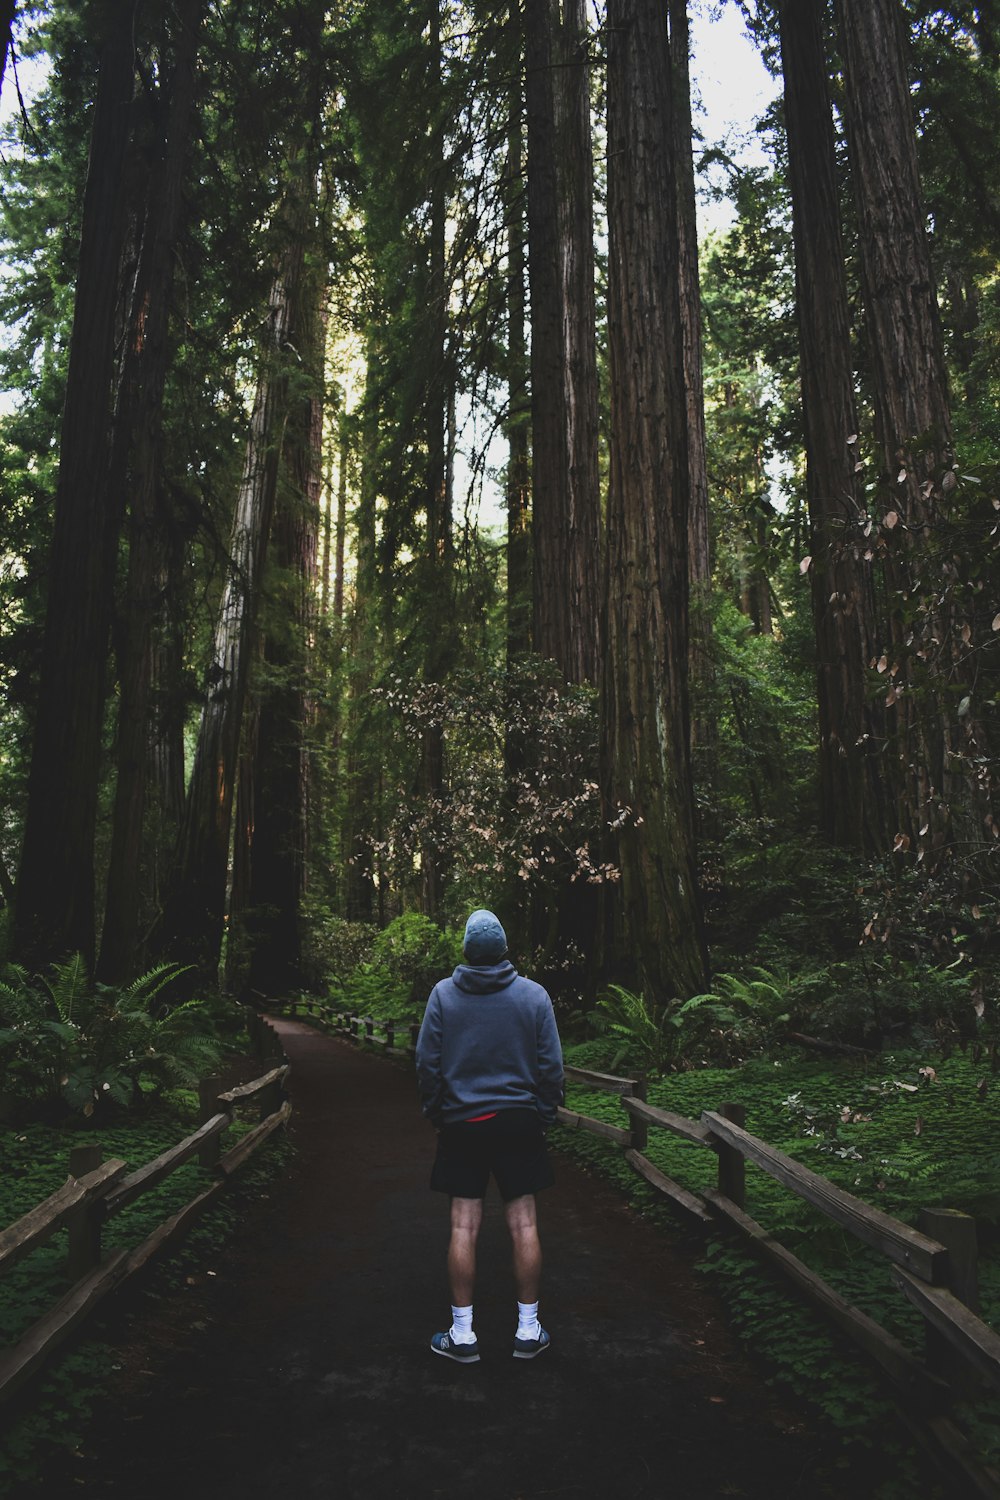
(484, 979)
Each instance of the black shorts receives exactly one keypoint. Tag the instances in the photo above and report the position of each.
(510, 1145)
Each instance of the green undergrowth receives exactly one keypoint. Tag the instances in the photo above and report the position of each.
(385, 974)
(54, 1410)
(901, 1132)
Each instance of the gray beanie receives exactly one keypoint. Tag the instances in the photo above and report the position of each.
(485, 941)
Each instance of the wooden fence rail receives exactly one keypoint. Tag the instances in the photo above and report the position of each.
(97, 1190)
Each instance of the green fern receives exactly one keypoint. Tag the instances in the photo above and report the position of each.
(66, 1037)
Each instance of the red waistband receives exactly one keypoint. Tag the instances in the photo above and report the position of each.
(477, 1119)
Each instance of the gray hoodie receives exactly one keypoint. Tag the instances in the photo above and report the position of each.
(488, 1042)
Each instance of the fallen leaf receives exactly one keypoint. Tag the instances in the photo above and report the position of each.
(891, 520)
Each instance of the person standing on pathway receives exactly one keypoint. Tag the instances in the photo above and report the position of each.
(490, 1077)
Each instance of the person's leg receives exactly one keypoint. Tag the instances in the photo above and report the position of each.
(460, 1343)
(522, 1221)
(531, 1338)
(466, 1218)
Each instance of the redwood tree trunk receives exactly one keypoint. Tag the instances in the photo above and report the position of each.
(699, 549)
(904, 327)
(645, 704)
(518, 406)
(279, 842)
(852, 804)
(192, 922)
(565, 490)
(437, 607)
(912, 414)
(360, 811)
(55, 900)
(141, 411)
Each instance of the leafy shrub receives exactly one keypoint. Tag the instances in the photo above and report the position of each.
(416, 953)
(406, 960)
(333, 948)
(875, 999)
(69, 1042)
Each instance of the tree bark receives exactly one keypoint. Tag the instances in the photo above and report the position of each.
(518, 406)
(438, 595)
(645, 732)
(192, 922)
(279, 845)
(56, 886)
(565, 485)
(913, 424)
(699, 551)
(140, 417)
(904, 327)
(360, 808)
(852, 802)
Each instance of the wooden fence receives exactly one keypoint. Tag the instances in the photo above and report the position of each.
(96, 1190)
(394, 1038)
(933, 1266)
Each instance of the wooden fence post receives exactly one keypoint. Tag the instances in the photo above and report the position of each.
(390, 1035)
(732, 1167)
(957, 1232)
(640, 1130)
(271, 1099)
(414, 1033)
(85, 1226)
(209, 1090)
(369, 1029)
(258, 1034)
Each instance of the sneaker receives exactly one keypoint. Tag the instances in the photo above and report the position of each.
(465, 1354)
(528, 1348)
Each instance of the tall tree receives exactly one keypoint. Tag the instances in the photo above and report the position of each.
(644, 700)
(438, 393)
(518, 409)
(565, 478)
(912, 410)
(699, 554)
(850, 734)
(56, 884)
(138, 430)
(192, 921)
(280, 820)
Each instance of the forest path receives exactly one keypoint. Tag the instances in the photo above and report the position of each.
(302, 1367)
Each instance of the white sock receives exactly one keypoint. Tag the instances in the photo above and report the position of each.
(461, 1325)
(528, 1326)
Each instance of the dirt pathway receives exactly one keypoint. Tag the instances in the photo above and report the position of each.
(302, 1367)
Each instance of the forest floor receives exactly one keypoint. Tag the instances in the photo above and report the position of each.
(298, 1363)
